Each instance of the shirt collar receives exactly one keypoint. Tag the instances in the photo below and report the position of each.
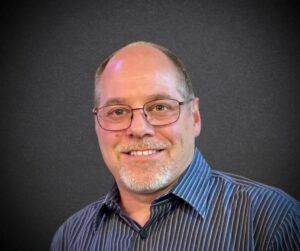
(193, 185)
(108, 203)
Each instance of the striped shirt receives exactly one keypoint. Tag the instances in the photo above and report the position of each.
(206, 210)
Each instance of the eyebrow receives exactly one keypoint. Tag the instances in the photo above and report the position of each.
(114, 101)
(120, 100)
(159, 96)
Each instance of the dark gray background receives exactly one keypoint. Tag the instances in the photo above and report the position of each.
(243, 57)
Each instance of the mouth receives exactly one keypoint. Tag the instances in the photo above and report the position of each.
(143, 152)
(143, 149)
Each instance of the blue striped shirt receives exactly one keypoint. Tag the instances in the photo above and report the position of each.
(206, 210)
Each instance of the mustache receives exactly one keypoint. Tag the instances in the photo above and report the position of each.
(142, 145)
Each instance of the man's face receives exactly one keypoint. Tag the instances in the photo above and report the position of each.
(134, 76)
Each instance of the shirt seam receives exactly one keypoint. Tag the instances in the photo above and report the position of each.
(275, 232)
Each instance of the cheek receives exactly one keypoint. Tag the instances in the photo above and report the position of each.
(108, 139)
(108, 142)
(174, 134)
(182, 134)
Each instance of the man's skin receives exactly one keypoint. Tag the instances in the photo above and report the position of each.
(135, 75)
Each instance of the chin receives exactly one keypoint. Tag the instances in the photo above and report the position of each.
(141, 185)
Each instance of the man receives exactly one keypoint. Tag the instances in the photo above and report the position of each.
(166, 197)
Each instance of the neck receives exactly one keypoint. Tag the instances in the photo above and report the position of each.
(137, 205)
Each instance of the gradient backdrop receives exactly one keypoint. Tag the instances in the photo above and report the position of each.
(243, 58)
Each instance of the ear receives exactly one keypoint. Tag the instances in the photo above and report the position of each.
(196, 116)
(97, 127)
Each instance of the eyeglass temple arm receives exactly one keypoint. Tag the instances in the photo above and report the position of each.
(186, 101)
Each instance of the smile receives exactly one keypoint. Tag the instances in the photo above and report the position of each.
(143, 153)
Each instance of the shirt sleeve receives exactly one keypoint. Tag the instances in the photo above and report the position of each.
(287, 236)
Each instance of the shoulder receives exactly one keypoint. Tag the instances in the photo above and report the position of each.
(255, 191)
(274, 214)
(265, 203)
(82, 220)
(84, 215)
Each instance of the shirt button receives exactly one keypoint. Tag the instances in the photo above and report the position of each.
(143, 234)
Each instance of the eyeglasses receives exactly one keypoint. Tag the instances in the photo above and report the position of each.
(157, 112)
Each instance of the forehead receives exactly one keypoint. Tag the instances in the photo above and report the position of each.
(139, 71)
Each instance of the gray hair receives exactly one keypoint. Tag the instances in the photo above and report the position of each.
(185, 88)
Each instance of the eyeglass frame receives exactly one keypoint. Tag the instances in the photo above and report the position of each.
(180, 103)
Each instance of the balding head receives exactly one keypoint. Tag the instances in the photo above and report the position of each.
(141, 55)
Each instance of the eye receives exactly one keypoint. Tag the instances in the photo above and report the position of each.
(160, 107)
(116, 112)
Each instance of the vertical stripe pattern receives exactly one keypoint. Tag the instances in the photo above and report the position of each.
(206, 210)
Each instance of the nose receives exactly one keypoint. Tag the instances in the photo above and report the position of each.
(139, 127)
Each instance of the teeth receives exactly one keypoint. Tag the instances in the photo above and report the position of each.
(144, 153)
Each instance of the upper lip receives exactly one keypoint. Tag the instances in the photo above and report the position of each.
(141, 150)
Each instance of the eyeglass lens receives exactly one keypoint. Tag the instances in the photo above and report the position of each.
(157, 112)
